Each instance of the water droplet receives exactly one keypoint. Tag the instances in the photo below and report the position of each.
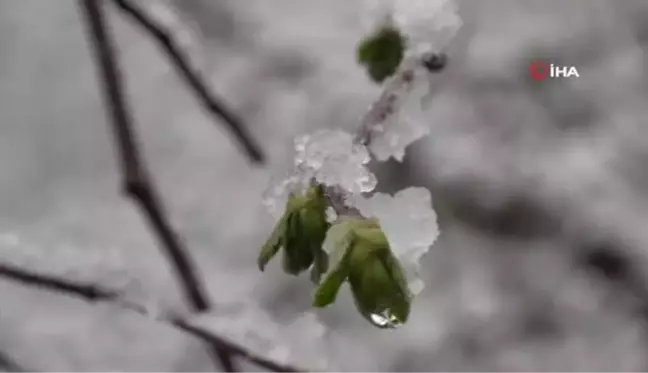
(384, 320)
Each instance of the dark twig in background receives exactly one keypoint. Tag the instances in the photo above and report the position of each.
(47, 282)
(137, 182)
(8, 365)
(95, 293)
(180, 62)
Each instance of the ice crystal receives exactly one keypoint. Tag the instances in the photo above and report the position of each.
(332, 158)
(329, 157)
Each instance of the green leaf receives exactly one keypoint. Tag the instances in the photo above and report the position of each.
(272, 246)
(382, 52)
(328, 290)
(291, 263)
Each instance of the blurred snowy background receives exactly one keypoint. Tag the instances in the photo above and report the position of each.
(541, 188)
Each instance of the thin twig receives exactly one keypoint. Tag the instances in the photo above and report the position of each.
(136, 180)
(53, 283)
(99, 294)
(180, 62)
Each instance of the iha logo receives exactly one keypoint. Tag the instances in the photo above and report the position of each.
(540, 70)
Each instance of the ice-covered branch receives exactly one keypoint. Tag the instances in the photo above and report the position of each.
(180, 62)
(96, 293)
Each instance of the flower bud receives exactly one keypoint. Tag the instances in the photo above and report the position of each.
(376, 277)
(382, 52)
(300, 232)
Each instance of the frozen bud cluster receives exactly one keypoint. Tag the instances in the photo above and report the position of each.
(428, 25)
(329, 157)
(409, 222)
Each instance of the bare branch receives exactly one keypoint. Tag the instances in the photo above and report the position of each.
(47, 282)
(180, 62)
(94, 293)
(137, 183)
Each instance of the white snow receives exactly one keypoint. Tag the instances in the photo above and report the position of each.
(298, 342)
(331, 158)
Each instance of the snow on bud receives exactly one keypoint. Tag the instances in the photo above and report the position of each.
(329, 157)
(333, 159)
(409, 222)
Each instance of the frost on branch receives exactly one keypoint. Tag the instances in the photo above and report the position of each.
(329, 157)
(298, 342)
(428, 25)
(400, 119)
(409, 222)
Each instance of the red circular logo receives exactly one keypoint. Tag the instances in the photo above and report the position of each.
(539, 70)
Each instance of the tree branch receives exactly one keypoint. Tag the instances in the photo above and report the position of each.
(47, 282)
(208, 99)
(95, 293)
(136, 180)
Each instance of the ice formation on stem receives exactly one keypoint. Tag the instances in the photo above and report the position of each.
(400, 120)
(328, 157)
(427, 26)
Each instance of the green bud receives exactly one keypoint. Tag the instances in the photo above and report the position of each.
(300, 232)
(382, 52)
(377, 280)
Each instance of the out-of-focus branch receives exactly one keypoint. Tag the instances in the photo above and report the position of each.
(136, 180)
(95, 293)
(53, 283)
(9, 365)
(214, 105)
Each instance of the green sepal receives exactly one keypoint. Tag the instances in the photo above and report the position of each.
(274, 243)
(328, 290)
(297, 257)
